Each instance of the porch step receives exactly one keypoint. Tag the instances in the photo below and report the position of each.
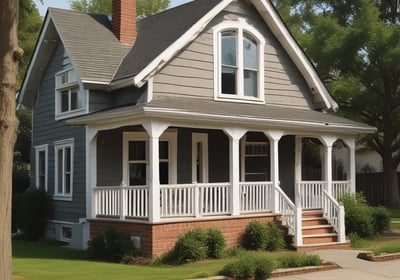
(315, 213)
(320, 238)
(318, 229)
(314, 221)
(322, 246)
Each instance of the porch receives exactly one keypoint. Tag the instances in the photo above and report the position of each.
(247, 173)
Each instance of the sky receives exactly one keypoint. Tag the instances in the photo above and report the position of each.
(65, 4)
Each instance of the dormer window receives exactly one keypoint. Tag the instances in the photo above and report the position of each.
(70, 96)
(239, 62)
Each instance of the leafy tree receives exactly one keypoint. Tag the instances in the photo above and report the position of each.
(144, 7)
(10, 55)
(29, 25)
(355, 46)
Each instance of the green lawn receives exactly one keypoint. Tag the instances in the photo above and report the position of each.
(395, 218)
(43, 261)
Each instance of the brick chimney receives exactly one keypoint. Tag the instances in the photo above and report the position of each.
(124, 20)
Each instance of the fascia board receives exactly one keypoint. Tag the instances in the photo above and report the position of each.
(279, 29)
(174, 48)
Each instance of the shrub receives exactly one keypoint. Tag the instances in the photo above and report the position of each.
(299, 260)
(110, 246)
(32, 209)
(189, 247)
(358, 217)
(381, 218)
(255, 236)
(248, 266)
(275, 237)
(216, 243)
(356, 241)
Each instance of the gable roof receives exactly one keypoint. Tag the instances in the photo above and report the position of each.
(101, 60)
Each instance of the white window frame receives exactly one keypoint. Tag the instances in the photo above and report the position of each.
(169, 135)
(71, 83)
(244, 143)
(241, 27)
(62, 145)
(203, 139)
(38, 150)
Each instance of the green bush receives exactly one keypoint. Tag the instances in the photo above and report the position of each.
(32, 209)
(196, 245)
(275, 237)
(248, 266)
(298, 260)
(381, 218)
(112, 245)
(362, 219)
(255, 236)
(358, 217)
(216, 243)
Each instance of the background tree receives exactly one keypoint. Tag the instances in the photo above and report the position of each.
(355, 46)
(144, 8)
(10, 55)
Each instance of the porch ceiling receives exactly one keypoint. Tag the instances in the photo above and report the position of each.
(209, 112)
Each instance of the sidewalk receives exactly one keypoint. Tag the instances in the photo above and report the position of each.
(352, 268)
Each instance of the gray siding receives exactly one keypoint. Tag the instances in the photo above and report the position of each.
(46, 131)
(191, 72)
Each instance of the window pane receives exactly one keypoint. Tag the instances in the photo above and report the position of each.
(74, 99)
(68, 159)
(249, 52)
(164, 150)
(64, 101)
(42, 169)
(164, 172)
(67, 183)
(228, 80)
(250, 83)
(60, 174)
(228, 50)
(137, 174)
(137, 150)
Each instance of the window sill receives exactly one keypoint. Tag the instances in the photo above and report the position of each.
(239, 99)
(62, 197)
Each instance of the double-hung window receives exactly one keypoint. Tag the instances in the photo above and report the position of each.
(70, 96)
(41, 153)
(64, 168)
(239, 62)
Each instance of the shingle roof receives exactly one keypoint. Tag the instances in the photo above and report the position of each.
(93, 48)
(157, 32)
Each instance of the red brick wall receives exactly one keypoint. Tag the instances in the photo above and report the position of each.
(158, 239)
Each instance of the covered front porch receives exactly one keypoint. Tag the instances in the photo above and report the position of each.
(155, 172)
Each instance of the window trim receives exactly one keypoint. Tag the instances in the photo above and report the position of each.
(201, 138)
(67, 143)
(168, 135)
(240, 26)
(68, 86)
(244, 143)
(38, 149)
(62, 238)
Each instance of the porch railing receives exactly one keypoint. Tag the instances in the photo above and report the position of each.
(340, 188)
(256, 196)
(287, 208)
(334, 213)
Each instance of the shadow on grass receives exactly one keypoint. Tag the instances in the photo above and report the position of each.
(45, 250)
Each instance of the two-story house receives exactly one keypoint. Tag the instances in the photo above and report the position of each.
(193, 117)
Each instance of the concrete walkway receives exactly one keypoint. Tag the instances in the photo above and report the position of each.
(352, 268)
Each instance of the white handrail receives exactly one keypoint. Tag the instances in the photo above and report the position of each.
(334, 213)
(287, 209)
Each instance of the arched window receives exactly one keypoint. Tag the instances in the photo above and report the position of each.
(239, 62)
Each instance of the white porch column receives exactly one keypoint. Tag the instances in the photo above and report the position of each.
(351, 144)
(328, 142)
(154, 129)
(274, 137)
(234, 135)
(297, 172)
(91, 171)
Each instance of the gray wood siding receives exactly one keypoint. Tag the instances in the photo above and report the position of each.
(191, 72)
(45, 130)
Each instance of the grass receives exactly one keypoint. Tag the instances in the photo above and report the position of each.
(45, 261)
(395, 218)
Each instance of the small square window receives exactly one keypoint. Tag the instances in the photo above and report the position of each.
(66, 233)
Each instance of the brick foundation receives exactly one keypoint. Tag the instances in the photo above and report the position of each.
(157, 239)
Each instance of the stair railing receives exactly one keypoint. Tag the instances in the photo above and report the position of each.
(334, 213)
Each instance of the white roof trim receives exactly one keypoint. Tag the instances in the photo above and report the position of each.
(187, 37)
(298, 56)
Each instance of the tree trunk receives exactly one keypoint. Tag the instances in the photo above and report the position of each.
(10, 54)
(391, 189)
